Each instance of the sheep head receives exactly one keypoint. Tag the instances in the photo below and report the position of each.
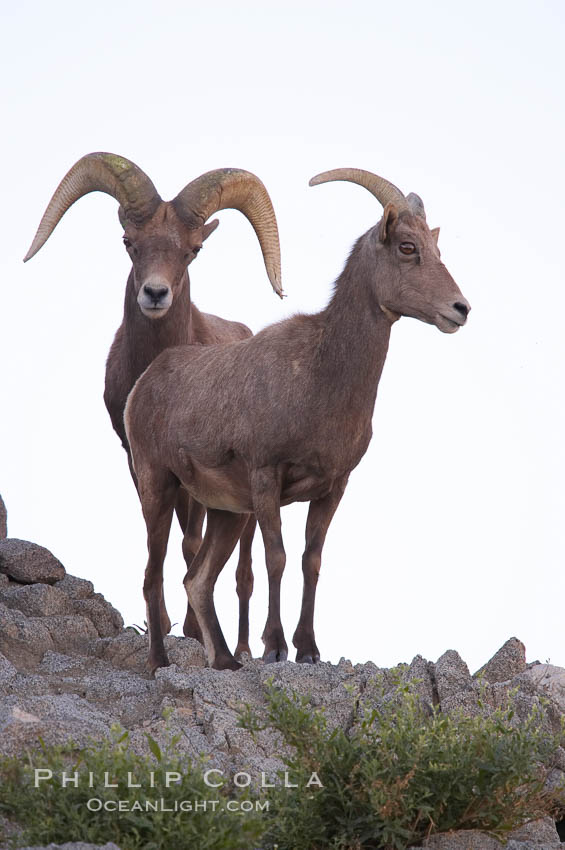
(416, 283)
(162, 238)
(161, 248)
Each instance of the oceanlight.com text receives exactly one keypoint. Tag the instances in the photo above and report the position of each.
(95, 804)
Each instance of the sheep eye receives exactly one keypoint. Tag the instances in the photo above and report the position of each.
(127, 243)
(196, 249)
(407, 247)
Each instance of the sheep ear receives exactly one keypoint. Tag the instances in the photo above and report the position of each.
(390, 216)
(435, 233)
(209, 228)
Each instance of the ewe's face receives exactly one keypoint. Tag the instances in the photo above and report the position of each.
(161, 250)
(417, 283)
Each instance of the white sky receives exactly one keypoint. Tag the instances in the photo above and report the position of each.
(450, 534)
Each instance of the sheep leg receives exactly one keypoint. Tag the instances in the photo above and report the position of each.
(320, 515)
(265, 490)
(194, 518)
(165, 619)
(157, 493)
(223, 530)
(244, 585)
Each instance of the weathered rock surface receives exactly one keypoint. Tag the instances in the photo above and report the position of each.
(546, 680)
(69, 671)
(106, 619)
(76, 588)
(75, 845)
(3, 520)
(71, 633)
(129, 651)
(29, 563)
(509, 661)
(36, 600)
(540, 835)
(22, 641)
(7, 672)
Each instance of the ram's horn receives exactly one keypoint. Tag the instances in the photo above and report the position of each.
(99, 172)
(232, 188)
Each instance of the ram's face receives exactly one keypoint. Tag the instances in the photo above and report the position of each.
(161, 249)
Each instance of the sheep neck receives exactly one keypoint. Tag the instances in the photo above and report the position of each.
(146, 338)
(356, 334)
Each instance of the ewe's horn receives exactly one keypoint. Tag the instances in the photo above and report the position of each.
(384, 191)
(233, 188)
(416, 204)
(99, 172)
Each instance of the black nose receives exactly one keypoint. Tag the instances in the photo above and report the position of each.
(156, 293)
(462, 308)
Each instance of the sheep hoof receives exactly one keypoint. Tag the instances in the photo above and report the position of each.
(226, 664)
(242, 650)
(155, 664)
(275, 655)
(307, 659)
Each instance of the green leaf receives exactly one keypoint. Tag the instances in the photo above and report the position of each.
(154, 747)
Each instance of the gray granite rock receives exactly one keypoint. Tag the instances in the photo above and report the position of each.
(56, 662)
(509, 661)
(77, 588)
(541, 833)
(324, 684)
(456, 689)
(3, 520)
(55, 718)
(452, 675)
(23, 640)
(538, 835)
(69, 632)
(74, 845)
(546, 680)
(467, 839)
(106, 619)
(7, 672)
(379, 686)
(74, 684)
(36, 600)
(130, 651)
(29, 563)
(205, 707)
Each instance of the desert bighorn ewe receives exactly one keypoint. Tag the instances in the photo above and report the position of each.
(281, 417)
(162, 238)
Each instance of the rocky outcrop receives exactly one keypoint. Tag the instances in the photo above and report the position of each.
(69, 670)
(42, 608)
(540, 835)
(509, 661)
(28, 563)
(3, 520)
(76, 845)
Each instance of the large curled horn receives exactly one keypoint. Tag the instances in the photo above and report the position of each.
(99, 172)
(384, 191)
(233, 188)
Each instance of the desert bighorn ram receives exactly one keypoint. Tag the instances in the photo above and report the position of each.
(162, 238)
(281, 417)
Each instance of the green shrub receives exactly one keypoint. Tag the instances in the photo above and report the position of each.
(51, 813)
(400, 774)
(403, 773)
